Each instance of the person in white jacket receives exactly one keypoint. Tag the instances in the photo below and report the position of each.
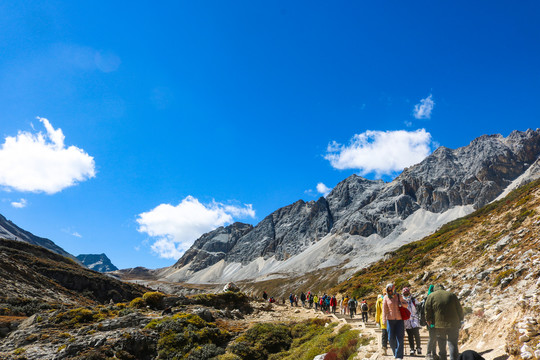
(412, 326)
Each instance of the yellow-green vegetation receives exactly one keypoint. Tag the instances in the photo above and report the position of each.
(79, 316)
(414, 257)
(188, 336)
(19, 351)
(225, 300)
(301, 341)
(138, 303)
(502, 275)
(153, 299)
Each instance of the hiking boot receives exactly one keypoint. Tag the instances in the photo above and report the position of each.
(411, 352)
(419, 351)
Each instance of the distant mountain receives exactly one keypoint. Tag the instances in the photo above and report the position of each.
(97, 262)
(360, 220)
(10, 231)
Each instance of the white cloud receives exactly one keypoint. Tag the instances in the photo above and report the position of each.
(76, 234)
(380, 152)
(42, 163)
(424, 108)
(323, 189)
(177, 227)
(19, 204)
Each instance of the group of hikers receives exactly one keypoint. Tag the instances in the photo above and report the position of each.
(326, 303)
(439, 311)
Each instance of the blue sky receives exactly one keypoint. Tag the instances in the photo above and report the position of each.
(165, 120)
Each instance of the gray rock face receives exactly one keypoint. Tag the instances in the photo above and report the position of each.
(471, 175)
(97, 262)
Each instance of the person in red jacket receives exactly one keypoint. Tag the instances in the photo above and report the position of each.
(333, 303)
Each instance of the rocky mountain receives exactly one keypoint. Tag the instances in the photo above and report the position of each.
(97, 262)
(10, 231)
(361, 219)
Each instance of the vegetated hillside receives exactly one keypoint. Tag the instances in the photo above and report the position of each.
(33, 272)
(490, 258)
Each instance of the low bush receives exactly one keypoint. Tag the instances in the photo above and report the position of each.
(153, 299)
(261, 340)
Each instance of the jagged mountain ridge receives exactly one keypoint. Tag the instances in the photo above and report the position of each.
(360, 216)
(10, 231)
(97, 262)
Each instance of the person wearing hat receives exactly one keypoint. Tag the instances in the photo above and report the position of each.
(394, 322)
(412, 326)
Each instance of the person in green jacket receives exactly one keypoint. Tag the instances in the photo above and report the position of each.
(445, 313)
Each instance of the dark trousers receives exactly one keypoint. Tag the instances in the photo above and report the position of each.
(396, 333)
(412, 335)
(451, 337)
(432, 343)
(364, 316)
(384, 338)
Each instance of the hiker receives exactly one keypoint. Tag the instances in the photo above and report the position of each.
(310, 299)
(412, 326)
(316, 301)
(303, 299)
(327, 303)
(291, 299)
(352, 307)
(346, 304)
(364, 308)
(333, 303)
(444, 311)
(296, 300)
(381, 323)
(265, 295)
(431, 352)
(394, 322)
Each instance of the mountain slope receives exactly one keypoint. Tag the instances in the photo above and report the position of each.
(30, 271)
(490, 258)
(97, 262)
(361, 219)
(8, 230)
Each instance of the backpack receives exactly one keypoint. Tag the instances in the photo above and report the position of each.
(352, 304)
(364, 307)
(420, 312)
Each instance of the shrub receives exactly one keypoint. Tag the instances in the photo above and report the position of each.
(188, 336)
(75, 317)
(153, 299)
(261, 340)
(138, 303)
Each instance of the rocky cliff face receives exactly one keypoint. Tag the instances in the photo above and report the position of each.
(97, 262)
(359, 214)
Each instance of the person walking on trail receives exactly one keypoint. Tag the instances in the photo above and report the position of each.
(444, 311)
(333, 303)
(291, 299)
(431, 351)
(303, 299)
(412, 326)
(381, 323)
(364, 308)
(394, 322)
(346, 304)
(310, 299)
(265, 295)
(352, 307)
(316, 301)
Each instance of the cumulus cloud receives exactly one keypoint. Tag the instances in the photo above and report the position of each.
(42, 163)
(424, 108)
(380, 152)
(323, 189)
(19, 204)
(177, 227)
